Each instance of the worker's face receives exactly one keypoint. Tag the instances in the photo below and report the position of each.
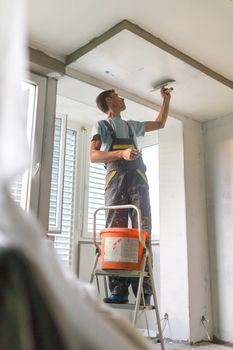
(116, 101)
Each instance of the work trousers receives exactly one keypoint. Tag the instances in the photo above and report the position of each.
(128, 186)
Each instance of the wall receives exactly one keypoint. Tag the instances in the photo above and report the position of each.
(185, 283)
(219, 171)
(173, 243)
(197, 236)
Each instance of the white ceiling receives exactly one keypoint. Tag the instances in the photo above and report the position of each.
(77, 99)
(202, 29)
(131, 63)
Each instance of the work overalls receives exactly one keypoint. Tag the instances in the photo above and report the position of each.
(126, 183)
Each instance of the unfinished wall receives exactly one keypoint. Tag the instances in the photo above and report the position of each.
(197, 235)
(185, 283)
(173, 243)
(219, 171)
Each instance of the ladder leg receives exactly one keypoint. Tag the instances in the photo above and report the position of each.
(97, 283)
(105, 286)
(155, 303)
(94, 266)
(139, 292)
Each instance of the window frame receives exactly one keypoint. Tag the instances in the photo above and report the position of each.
(31, 178)
(34, 176)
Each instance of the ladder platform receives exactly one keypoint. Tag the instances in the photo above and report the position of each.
(130, 306)
(121, 273)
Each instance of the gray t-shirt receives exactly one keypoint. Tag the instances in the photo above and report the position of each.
(121, 129)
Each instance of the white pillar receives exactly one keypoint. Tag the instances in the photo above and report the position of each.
(184, 259)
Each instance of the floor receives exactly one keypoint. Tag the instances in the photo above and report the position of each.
(180, 346)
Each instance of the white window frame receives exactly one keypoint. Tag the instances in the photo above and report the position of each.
(25, 178)
(30, 197)
(84, 133)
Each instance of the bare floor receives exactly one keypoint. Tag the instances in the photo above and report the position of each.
(204, 346)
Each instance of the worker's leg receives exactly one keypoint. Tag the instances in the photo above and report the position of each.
(139, 196)
(116, 194)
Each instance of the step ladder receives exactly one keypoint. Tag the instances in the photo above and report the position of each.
(141, 274)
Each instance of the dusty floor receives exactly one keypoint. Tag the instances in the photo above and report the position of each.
(205, 346)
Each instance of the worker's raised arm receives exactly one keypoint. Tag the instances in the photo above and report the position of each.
(161, 119)
(98, 156)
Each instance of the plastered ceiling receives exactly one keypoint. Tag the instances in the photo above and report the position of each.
(131, 63)
(203, 30)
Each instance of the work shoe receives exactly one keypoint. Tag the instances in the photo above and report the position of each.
(147, 299)
(116, 299)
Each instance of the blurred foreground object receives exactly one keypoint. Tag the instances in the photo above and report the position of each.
(42, 305)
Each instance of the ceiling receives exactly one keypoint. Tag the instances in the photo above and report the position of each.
(77, 99)
(201, 29)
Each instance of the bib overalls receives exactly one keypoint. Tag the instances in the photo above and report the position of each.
(126, 183)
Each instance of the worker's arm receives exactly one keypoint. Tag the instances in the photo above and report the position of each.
(98, 156)
(160, 121)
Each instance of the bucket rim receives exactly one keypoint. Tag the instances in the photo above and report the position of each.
(121, 230)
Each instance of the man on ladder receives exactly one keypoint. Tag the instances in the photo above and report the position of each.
(114, 143)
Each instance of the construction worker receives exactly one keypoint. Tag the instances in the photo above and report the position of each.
(114, 143)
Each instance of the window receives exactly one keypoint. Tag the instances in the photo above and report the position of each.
(97, 181)
(152, 153)
(57, 177)
(96, 196)
(20, 187)
(25, 191)
(61, 211)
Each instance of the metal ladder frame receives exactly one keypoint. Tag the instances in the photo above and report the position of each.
(129, 273)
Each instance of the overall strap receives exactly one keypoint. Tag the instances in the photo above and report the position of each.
(131, 135)
(113, 134)
(110, 128)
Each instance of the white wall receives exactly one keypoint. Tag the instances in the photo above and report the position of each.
(185, 282)
(196, 226)
(173, 243)
(219, 171)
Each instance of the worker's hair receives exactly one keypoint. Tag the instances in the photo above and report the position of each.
(101, 100)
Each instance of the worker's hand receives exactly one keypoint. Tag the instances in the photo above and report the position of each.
(166, 93)
(130, 154)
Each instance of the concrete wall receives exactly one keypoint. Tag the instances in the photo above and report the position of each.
(219, 174)
(173, 243)
(197, 235)
(185, 282)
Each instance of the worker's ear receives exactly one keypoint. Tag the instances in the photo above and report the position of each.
(108, 99)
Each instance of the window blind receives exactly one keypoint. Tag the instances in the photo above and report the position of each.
(63, 241)
(96, 196)
(16, 191)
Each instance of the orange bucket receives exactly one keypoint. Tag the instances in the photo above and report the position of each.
(121, 249)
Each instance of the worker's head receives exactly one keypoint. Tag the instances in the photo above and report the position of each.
(109, 100)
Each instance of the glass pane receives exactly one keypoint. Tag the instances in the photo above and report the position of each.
(55, 174)
(96, 196)
(151, 160)
(63, 240)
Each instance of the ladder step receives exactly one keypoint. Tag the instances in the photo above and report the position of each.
(130, 306)
(120, 273)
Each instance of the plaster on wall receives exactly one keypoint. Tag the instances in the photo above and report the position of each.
(219, 169)
(173, 244)
(197, 238)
